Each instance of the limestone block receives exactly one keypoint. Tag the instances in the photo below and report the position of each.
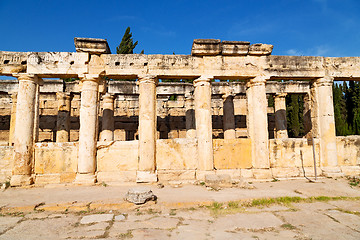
(57, 63)
(117, 156)
(233, 173)
(262, 173)
(348, 150)
(232, 153)
(332, 172)
(310, 171)
(200, 174)
(246, 173)
(206, 47)
(285, 172)
(175, 175)
(183, 154)
(55, 157)
(175, 104)
(42, 179)
(12, 62)
(116, 177)
(146, 177)
(119, 135)
(218, 180)
(235, 48)
(259, 49)
(48, 111)
(6, 153)
(350, 170)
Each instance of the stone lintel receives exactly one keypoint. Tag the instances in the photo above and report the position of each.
(12, 62)
(92, 45)
(206, 47)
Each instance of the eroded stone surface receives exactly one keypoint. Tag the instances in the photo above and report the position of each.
(139, 195)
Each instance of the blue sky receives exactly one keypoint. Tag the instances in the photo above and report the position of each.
(294, 27)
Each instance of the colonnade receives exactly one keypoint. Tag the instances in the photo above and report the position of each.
(198, 123)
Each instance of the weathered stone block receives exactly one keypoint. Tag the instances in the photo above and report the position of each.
(262, 173)
(118, 177)
(12, 62)
(235, 48)
(259, 49)
(232, 153)
(92, 45)
(285, 172)
(206, 47)
(171, 175)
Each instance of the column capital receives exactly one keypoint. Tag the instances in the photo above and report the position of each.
(256, 81)
(324, 81)
(90, 77)
(147, 79)
(280, 95)
(27, 77)
(203, 79)
(108, 97)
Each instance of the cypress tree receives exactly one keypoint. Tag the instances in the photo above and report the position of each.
(127, 45)
(340, 112)
(292, 115)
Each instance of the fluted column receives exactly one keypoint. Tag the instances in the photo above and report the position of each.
(24, 130)
(63, 117)
(323, 120)
(257, 121)
(12, 118)
(190, 116)
(107, 128)
(228, 116)
(147, 129)
(203, 121)
(87, 133)
(280, 116)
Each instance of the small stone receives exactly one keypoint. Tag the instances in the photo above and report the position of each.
(140, 195)
(160, 185)
(119, 217)
(95, 218)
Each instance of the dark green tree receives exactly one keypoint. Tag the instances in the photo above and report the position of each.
(127, 44)
(352, 97)
(294, 115)
(340, 111)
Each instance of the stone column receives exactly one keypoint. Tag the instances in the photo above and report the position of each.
(280, 116)
(107, 129)
(147, 129)
(257, 121)
(37, 110)
(63, 117)
(87, 134)
(24, 130)
(203, 120)
(307, 116)
(12, 118)
(190, 116)
(323, 120)
(228, 116)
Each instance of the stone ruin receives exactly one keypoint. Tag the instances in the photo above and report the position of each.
(214, 120)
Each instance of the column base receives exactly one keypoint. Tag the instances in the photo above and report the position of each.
(21, 180)
(85, 179)
(146, 177)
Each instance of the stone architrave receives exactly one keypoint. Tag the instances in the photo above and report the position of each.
(107, 129)
(228, 116)
(323, 120)
(257, 123)
(63, 117)
(24, 130)
(87, 134)
(12, 118)
(203, 121)
(280, 116)
(190, 116)
(147, 129)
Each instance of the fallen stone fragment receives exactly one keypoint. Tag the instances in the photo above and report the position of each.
(119, 217)
(217, 181)
(140, 195)
(95, 218)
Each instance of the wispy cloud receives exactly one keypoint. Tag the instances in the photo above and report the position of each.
(321, 50)
(161, 31)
